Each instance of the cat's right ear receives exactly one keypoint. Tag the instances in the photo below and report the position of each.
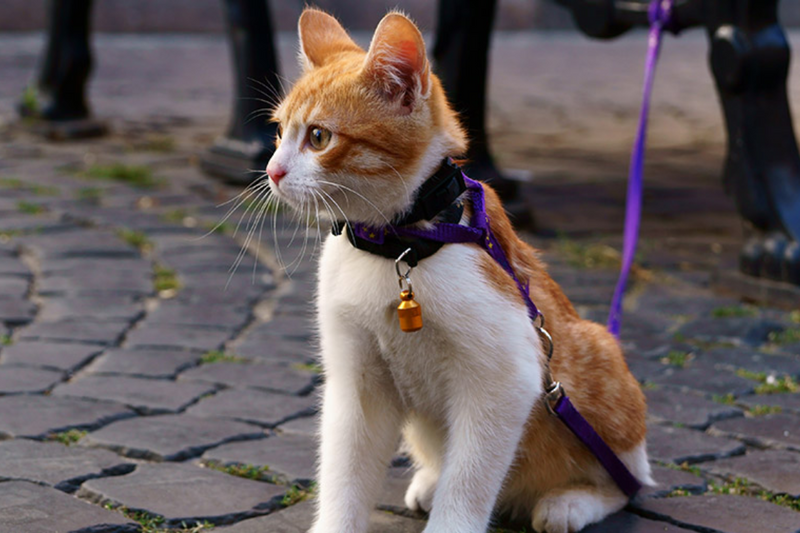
(321, 37)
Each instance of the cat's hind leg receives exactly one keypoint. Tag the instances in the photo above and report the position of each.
(570, 510)
(424, 441)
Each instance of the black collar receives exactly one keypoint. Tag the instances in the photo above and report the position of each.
(436, 197)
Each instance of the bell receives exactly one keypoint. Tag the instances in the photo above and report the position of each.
(409, 312)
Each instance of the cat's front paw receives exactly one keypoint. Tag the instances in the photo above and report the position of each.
(565, 513)
(419, 496)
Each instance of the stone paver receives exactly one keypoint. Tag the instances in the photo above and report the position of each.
(777, 471)
(267, 409)
(169, 437)
(147, 396)
(144, 363)
(20, 379)
(35, 509)
(154, 335)
(678, 445)
(787, 402)
(64, 467)
(668, 480)
(38, 416)
(62, 356)
(269, 376)
(625, 522)
(84, 316)
(780, 430)
(690, 410)
(186, 493)
(81, 331)
(299, 518)
(728, 514)
(291, 457)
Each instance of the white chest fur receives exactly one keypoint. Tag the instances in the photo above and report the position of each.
(467, 323)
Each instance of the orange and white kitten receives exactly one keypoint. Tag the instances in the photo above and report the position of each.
(361, 131)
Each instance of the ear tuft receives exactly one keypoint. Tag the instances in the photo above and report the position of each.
(397, 63)
(321, 37)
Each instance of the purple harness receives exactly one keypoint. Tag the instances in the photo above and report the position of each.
(479, 232)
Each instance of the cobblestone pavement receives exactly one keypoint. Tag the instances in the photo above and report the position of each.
(143, 384)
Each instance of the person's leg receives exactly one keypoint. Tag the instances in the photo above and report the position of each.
(461, 56)
(249, 141)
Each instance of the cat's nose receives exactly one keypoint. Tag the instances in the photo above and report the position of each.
(276, 172)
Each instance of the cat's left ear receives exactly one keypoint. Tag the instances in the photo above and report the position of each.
(396, 62)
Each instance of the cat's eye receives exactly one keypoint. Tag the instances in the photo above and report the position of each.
(318, 137)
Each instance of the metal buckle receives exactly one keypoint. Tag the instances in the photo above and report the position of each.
(553, 395)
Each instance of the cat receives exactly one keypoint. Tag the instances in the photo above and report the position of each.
(360, 132)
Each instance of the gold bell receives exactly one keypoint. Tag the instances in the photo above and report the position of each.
(409, 312)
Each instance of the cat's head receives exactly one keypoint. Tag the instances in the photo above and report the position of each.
(361, 130)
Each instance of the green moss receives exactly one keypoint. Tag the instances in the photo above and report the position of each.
(68, 438)
(677, 358)
(175, 216)
(727, 399)
(297, 494)
(770, 384)
(217, 356)
(761, 410)
(11, 183)
(30, 101)
(742, 487)
(135, 175)
(794, 316)
(159, 143)
(165, 279)
(787, 336)
(734, 311)
(243, 470)
(316, 368)
(89, 194)
(30, 208)
(137, 239)
(6, 340)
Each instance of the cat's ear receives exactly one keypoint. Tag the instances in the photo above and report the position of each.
(397, 63)
(321, 37)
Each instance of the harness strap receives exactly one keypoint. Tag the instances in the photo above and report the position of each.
(480, 232)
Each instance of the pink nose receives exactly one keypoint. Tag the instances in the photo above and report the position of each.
(276, 172)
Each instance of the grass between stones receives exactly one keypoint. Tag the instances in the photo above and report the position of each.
(794, 316)
(165, 281)
(137, 239)
(297, 494)
(186, 219)
(750, 410)
(68, 438)
(247, 471)
(738, 487)
(30, 100)
(217, 356)
(140, 176)
(770, 383)
(787, 336)
(151, 523)
(30, 208)
(163, 144)
(677, 358)
(18, 184)
(90, 195)
(6, 340)
(314, 368)
(734, 311)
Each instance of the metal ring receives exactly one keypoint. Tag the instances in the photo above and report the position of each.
(544, 335)
(540, 318)
(397, 265)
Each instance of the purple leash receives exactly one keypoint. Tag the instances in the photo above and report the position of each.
(660, 14)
